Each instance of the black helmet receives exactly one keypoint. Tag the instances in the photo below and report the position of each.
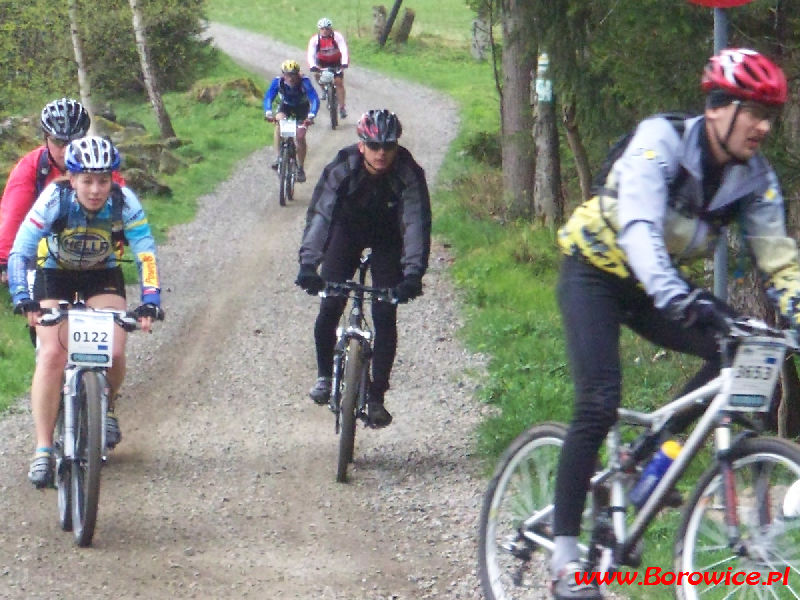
(65, 119)
(379, 126)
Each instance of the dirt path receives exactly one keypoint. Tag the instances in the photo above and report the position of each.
(223, 486)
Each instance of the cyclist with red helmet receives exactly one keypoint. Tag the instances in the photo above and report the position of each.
(62, 120)
(664, 202)
(297, 99)
(373, 195)
(327, 49)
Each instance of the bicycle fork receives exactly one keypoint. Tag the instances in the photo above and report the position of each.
(70, 405)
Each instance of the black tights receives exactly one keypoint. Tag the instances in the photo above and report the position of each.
(594, 305)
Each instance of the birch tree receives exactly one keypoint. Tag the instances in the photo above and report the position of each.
(84, 84)
(148, 73)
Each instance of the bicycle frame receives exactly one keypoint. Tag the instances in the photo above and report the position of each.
(716, 419)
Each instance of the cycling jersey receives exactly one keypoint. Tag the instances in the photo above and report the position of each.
(20, 193)
(640, 227)
(402, 205)
(327, 51)
(84, 243)
(303, 94)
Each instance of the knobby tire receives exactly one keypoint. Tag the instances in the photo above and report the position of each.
(764, 471)
(63, 475)
(351, 382)
(333, 106)
(291, 176)
(523, 484)
(283, 171)
(88, 457)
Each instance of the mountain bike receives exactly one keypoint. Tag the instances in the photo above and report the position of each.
(329, 91)
(743, 513)
(80, 436)
(351, 360)
(287, 160)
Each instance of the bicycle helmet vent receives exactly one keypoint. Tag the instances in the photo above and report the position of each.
(324, 22)
(379, 126)
(290, 66)
(65, 119)
(92, 154)
(747, 75)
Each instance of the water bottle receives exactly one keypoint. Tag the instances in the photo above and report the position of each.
(653, 473)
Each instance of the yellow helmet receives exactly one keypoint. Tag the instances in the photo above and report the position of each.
(290, 66)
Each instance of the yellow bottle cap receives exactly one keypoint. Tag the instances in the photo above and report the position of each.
(671, 448)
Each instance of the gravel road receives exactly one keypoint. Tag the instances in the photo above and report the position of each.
(223, 486)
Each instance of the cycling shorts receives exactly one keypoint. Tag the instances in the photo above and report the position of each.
(63, 284)
(299, 112)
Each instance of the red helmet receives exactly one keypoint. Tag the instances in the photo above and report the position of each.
(379, 126)
(746, 74)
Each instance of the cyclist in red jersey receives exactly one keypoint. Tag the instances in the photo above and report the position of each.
(63, 120)
(328, 49)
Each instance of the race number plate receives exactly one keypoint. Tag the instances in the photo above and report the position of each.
(91, 338)
(755, 371)
(288, 128)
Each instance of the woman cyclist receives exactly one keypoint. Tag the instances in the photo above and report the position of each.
(80, 220)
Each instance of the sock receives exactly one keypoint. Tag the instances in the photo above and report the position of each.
(566, 550)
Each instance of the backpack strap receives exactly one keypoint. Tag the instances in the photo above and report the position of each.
(64, 188)
(43, 168)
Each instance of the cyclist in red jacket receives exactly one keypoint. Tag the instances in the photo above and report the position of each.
(328, 49)
(63, 120)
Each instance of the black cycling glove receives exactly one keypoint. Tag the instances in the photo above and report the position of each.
(700, 308)
(149, 310)
(408, 289)
(309, 280)
(23, 307)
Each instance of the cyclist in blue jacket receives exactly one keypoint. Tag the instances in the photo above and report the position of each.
(84, 228)
(297, 100)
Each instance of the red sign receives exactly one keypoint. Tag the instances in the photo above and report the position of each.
(720, 3)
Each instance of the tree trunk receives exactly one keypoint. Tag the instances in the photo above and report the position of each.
(578, 150)
(150, 82)
(548, 207)
(517, 118)
(83, 76)
(390, 22)
(403, 30)
(378, 21)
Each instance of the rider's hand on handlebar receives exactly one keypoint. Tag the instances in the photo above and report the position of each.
(700, 308)
(268, 116)
(315, 69)
(31, 309)
(146, 314)
(309, 120)
(309, 280)
(408, 289)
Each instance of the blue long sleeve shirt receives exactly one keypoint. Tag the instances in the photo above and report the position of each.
(292, 96)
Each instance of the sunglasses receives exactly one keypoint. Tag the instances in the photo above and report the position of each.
(388, 146)
(58, 143)
(762, 112)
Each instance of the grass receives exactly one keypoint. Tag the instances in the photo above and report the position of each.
(506, 270)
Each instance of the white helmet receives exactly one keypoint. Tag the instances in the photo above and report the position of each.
(92, 154)
(324, 22)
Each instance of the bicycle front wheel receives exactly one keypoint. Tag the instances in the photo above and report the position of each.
(63, 474)
(333, 106)
(351, 382)
(88, 457)
(765, 476)
(283, 173)
(290, 178)
(519, 501)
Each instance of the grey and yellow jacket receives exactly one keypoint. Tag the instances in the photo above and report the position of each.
(651, 217)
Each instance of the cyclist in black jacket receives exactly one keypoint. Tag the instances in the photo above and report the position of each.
(373, 195)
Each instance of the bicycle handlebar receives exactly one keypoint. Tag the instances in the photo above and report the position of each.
(128, 320)
(348, 289)
(744, 327)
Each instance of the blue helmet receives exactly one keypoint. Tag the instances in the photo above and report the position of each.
(92, 154)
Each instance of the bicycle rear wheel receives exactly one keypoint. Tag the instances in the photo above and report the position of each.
(766, 476)
(333, 106)
(351, 382)
(88, 457)
(523, 485)
(63, 474)
(283, 173)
